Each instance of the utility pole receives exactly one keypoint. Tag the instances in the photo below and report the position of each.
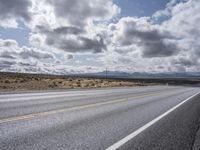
(106, 73)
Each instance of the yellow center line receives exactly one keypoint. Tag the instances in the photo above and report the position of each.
(75, 108)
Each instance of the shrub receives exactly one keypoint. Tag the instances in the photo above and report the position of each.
(7, 81)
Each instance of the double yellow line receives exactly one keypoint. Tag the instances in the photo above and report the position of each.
(75, 108)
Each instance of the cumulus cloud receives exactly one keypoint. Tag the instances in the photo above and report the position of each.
(11, 49)
(185, 62)
(5, 64)
(78, 12)
(166, 41)
(7, 55)
(12, 56)
(167, 11)
(71, 25)
(173, 43)
(184, 24)
(15, 58)
(27, 53)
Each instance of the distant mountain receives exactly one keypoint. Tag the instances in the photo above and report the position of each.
(117, 74)
(141, 74)
(110, 73)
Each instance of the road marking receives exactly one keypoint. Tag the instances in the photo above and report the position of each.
(39, 96)
(141, 129)
(75, 108)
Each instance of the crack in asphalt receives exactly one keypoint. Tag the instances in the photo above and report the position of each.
(195, 140)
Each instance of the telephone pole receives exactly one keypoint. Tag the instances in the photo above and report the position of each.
(106, 73)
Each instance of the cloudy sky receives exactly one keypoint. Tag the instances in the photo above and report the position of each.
(77, 36)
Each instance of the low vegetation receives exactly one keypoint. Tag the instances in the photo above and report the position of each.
(15, 81)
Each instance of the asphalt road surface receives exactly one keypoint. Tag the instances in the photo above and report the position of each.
(139, 118)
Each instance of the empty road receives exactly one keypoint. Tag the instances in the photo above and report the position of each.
(131, 118)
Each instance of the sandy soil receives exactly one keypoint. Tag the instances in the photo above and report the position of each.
(39, 82)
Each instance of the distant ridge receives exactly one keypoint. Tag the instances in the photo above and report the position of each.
(140, 74)
(116, 74)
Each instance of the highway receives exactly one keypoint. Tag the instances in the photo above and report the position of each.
(126, 118)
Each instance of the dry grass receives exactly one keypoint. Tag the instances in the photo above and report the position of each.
(40, 82)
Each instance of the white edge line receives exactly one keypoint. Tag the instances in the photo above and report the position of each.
(141, 129)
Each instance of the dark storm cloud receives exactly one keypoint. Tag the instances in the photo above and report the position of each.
(159, 49)
(69, 56)
(150, 35)
(79, 44)
(152, 41)
(62, 30)
(68, 30)
(15, 9)
(72, 39)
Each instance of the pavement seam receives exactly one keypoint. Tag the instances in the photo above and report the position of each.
(75, 108)
(196, 133)
(129, 137)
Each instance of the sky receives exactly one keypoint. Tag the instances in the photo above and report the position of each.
(83, 36)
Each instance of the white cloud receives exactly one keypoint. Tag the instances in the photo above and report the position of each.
(12, 55)
(78, 13)
(184, 23)
(173, 44)
(69, 27)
